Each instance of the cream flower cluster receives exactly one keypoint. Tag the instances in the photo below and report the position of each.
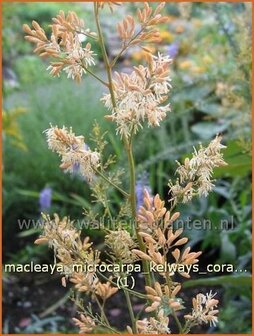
(204, 310)
(64, 238)
(64, 46)
(158, 325)
(76, 156)
(140, 95)
(77, 59)
(86, 324)
(163, 297)
(195, 174)
(121, 243)
(155, 225)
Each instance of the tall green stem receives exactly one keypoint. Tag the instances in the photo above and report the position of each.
(128, 144)
(177, 322)
(169, 283)
(129, 305)
(104, 54)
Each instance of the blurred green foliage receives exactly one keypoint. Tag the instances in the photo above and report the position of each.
(11, 127)
(211, 79)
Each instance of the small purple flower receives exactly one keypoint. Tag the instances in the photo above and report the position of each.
(142, 184)
(75, 169)
(45, 199)
(173, 49)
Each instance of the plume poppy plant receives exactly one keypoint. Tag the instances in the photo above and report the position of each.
(132, 100)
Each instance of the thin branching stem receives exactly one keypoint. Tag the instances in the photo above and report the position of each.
(97, 319)
(112, 183)
(137, 294)
(103, 315)
(129, 305)
(126, 47)
(169, 282)
(177, 322)
(94, 75)
(104, 53)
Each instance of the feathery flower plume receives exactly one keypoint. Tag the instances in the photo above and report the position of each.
(85, 282)
(195, 174)
(144, 30)
(163, 297)
(136, 99)
(203, 310)
(140, 95)
(86, 324)
(156, 229)
(121, 243)
(105, 290)
(158, 325)
(153, 214)
(64, 238)
(74, 152)
(64, 45)
(110, 4)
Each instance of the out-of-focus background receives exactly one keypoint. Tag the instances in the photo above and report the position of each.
(211, 93)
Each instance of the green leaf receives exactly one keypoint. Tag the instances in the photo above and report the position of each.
(228, 249)
(75, 200)
(192, 93)
(81, 201)
(207, 130)
(28, 193)
(238, 162)
(28, 233)
(224, 280)
(210, 108)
